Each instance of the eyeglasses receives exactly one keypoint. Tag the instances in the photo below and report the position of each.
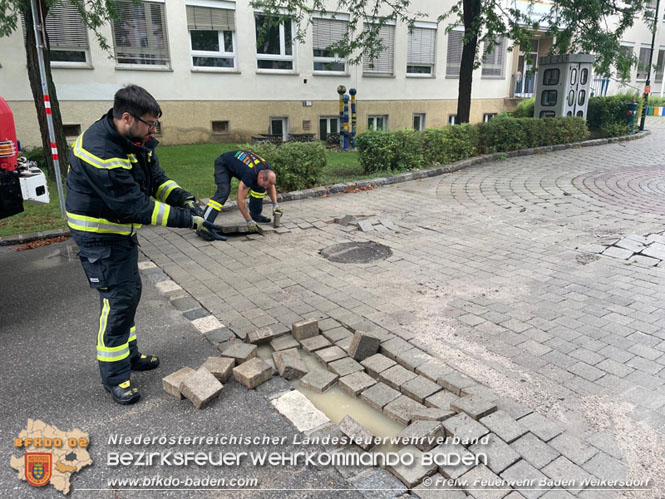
(151, 124)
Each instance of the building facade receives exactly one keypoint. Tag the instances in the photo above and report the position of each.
(218, 80)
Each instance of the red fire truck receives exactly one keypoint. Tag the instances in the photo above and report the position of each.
(20, 179)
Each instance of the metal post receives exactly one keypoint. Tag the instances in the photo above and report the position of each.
(352, 91)
(39, 40)
(647, 85)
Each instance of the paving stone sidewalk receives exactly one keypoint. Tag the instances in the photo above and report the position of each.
(493, 271)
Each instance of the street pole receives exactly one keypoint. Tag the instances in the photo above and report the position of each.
(40, 42)
(647, 85)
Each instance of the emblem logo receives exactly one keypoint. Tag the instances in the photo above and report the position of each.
(38, 468)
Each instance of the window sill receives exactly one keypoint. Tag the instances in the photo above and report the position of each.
(330, 73)
(285, 72)
(489, 77)
(416, 75)
(214, 70)
(71, 66)
(142, 67)
(452, 77)
(378, 75)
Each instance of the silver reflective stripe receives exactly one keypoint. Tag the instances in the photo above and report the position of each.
(88, 224)
(161, 211)
(112, 355)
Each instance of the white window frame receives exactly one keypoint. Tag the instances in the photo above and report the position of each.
(373, 118)
(489, 116)
(645, 72)
(432, 73)
(285, 126)
(422, 117)
(452, 119)
(282, 56)
(335, 17)
(328, 118)
(222, 54)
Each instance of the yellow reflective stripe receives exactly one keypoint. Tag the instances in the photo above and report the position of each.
(97, 162)
(133, 336)
(99, 225)
(259, 195)
(132, 158)
(160, 213)
(105, 356)
(103, 319)
(165, 189)
(215, 204)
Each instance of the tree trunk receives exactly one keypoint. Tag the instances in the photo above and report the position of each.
(37, 95)
(471, 13)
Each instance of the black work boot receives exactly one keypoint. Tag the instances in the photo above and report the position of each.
(124, 393)
(205, 235)
(145, 362)
(261, 219)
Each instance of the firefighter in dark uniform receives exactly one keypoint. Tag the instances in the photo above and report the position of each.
(256, 180)
(114, 185)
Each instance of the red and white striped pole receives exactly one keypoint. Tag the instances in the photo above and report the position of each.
(39, 39)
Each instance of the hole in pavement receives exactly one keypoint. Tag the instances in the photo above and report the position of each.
(356, 252)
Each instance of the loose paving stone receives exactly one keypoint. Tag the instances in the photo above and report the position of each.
(564, 469)
(464, 428)
(284, 343)
(356, 383)
(483, 483)
(200, 387)
(541, 427)
(337, 334)
(401, 409)
(289, 364)
(319, 380)
(605, 467)
(425, 435)
(392, 347)
(315, 343)
(376, 364)
(441, 400)
(297, 408)
(252, 373)
(219, 335)
(345, 343)
(326, 324)
(196, 314)
(240, 352)
(185, 303)
(513, 408)
(379, 395)
(330, 354)
(433, 369)
(171, 383)
(358, 434)
(562, 494)
(419, 388)
(523, 474)
(655, 250)
(455, 382)
(578, 451)
(412, 359)
(219, 367)
(459, 460)
(377, 483)
(305, 329)
(476, 407)
(396, 376)
(499, 454)
(363, 345)
(630, 244)
(437, 489)
(274, 387)
(621, 254)
(263, 335)
(431, 414)
(506, 427)
(534, 450)
(413, 474)
(345, 366)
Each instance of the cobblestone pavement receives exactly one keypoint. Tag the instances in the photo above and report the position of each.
(493, 270)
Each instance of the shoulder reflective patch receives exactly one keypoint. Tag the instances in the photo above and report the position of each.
(97, 162)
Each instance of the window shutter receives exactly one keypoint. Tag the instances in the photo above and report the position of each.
(140, 33)
(65, 28)
(454, 53)
(327, 32)
(493, 62)
(210, 19)
(384, 61)
(421, 46)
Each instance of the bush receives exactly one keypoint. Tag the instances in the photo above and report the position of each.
(450, 143)
(376, 150)
(37, 155)
(615, 129)
(503, 134)
(408, 150)
(298, 165)
(604, 112)
(525, 108)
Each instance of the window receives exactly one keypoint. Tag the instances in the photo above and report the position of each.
(573, 76)
(419, 121)
(452, 119)
(68, 36)
(71, 130)
(548, 98)
(327, 125)
(551, 77)
(488, 116)
(420, 53)
(327, 32)
(571, 98)
(454, 53)
(493, 60)
(547, 114)
(212, 34)
(379, 122)
(580, 114)
(643, 63)
(274, 44)
(659, 66)
(584, 76)
(279, 126)
(140, 34)
(581, 99)
(220, 127)
(383, 64)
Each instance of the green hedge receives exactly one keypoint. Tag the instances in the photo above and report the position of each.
(525, 108)
(298, 165)
(401, 150)
(609, 115)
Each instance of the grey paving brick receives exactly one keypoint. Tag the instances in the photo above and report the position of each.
(545, 429)
(578, 451)
(464, 428)
(358, 434)
(319, 380)
(330, 354)
(425, 435)
(419, 388)
(441, 400)
(414, 474)
(336, 334)
(564, 469)
(431, 414)
(474, 406)
(523, 473)
(586, 371)
(315, 343)
(456, 460)
(379, 395)
(240, 352)
(345, 366)
(613, 367)
(412, 359)
(605, 467)
(513, 408)
(392, 347)
(504, 425)
(433, 369)
(499, 454)
(284, 343)
(534, 450)
(376, 364)
(455, 382)
(396, 376)
(401, 409)
(356, 383)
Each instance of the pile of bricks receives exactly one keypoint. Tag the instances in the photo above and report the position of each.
(642, 250)
(350, 223)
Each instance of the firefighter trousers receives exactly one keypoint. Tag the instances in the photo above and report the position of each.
(113, 271)
(223, 181)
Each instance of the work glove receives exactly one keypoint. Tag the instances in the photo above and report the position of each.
(276, 210)
(191, 204)
(252, 226)
(200, 224)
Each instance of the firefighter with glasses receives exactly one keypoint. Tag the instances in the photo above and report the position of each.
(115, 185)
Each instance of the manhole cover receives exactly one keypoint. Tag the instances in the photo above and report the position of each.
(362, 252)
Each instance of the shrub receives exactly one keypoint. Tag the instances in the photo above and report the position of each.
(376, 150)
(408, 152)
(503, 134)
(450, 143)
(525, 108)
(298, 165)
(605, 111)
(37, 155)
(615, 129)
